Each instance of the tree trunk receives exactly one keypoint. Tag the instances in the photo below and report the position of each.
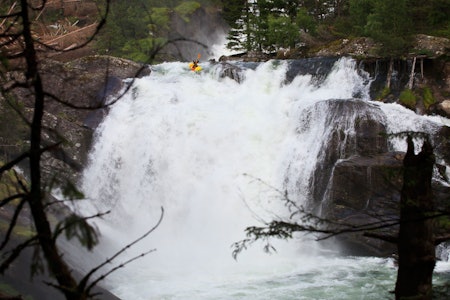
(416, 247)
(56, 264)
(411, 76)
(421, 68)
(389, 74)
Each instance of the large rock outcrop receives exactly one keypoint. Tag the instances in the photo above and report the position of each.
(80, 92)
(358, 180)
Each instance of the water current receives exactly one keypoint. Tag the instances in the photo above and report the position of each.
(214, 154)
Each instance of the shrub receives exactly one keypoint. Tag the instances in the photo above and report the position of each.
(428, 98)
(384, 93)
(408, 99)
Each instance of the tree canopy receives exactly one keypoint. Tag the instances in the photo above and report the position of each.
(138, 26)
(268, 25)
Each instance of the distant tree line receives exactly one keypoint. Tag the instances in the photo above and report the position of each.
(268, 25)
(136, 27)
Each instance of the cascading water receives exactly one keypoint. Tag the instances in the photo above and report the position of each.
(214, 154)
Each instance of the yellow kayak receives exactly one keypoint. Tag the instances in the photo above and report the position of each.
(195, 69)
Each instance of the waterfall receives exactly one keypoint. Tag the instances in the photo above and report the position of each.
(215, 155)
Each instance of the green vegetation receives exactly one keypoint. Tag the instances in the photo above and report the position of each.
(428, 98)
(255, 24)
(136, 29)
(384, 93)
(19, 230)
(7, 290)
(7, 184)
(408, 99)
(184, 9)
(13, 131)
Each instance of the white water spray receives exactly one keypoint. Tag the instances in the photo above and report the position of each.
(212, 153)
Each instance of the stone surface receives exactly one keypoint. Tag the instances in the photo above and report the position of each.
(83, 88)
(445, 107)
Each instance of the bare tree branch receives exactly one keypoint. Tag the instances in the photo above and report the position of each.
(12, 223)
(15, 253)
(83, 283)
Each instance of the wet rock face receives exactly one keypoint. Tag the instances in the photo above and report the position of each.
(365, 190)
(231, 71)
(87, 82)
(358, 180)
(367, 138)
(82, 88)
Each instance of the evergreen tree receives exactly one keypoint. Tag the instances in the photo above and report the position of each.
(390, 24)
(139, 27)
(305, 21)
(359, 11)
(232, 10)
(265, 25)
(439, 15)
(239, 36)
(282, 32)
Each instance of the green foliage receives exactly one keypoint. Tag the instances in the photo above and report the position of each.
(428, 98)
(8, 183)
(269, 25)
(431, 17)
(71, 192)
(232, 10)
(7, 290)
(158, 19)
(408, 99)
(77, 227)
(275, 229)
(359, 12)
(390, 24)
(20, 231)
(240, 35)
(384, 93)
(282, 32)
(187, 8)
(255, 24)
(13, 130)
(443, 222)
(305, 21)
(443, 31)
(137, 28)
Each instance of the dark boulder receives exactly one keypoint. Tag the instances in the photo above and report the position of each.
(365, 190)
(357, 179)
(231, 71)
(351, 128)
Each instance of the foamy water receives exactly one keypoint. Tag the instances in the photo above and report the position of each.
(215, 155)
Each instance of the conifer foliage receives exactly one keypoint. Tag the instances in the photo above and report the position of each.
(269, 25)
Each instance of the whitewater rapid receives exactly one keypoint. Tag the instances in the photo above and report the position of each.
(214, 154)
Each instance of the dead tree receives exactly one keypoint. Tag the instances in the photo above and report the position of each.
(416, 242)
